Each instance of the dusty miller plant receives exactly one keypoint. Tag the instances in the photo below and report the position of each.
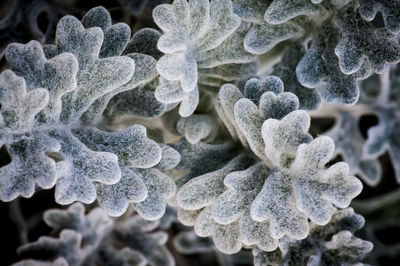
(206, 120)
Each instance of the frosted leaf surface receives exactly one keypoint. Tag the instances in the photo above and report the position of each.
(282, 137)
(360, 41)
(255, 87)
(276, 201)
(390, 10)
(160, 188)
(204, 189)
(115, 43)
(30, 166)
(96, 76)
(226, 238)
(195, 127)
(348, 245)
(187, 218)
(280, 191)
(312, 71)
(230, 51)
(115, 199)
(139, 102)
(179, 66)
(242, 186)
(197, 35)
(202, 158)
(189, 103)
(280, 11)
(116, 36)
(18, 105)
(263, 37)
(251, 10)
(148, 189)
(84, 163)
(169, 158)
(225, 103)
(349, 143)
(169, 92)
(249, 120)
(230, 238)
(131, 145)
(308, 98)
(80, 168)
(57, 262)
(146, 36)
(332, 244)
(144, 73)
(57, 75)
(317, 188)
(278, 106)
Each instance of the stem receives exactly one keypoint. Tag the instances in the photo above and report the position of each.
(17, 217)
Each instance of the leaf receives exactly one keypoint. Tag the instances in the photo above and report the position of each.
(136, 234)
(242, 188)
(278, 106)
(198, 36)
(160, 188)
(276, 202)
(251, 10)
(115, 199)
(144, 41)
(80, 168)
(249, 120)
(254, 87)
(19, 106)
(139, 102)
(169, 158)
(316, 188)
(389, 9)
(92, 226)
(57, 75)
(30, 166)
(280, 11)
(96, 76)
(360, 41)
(116, 36)
(283, 137)
(384, 137)
(308, 98)
(195, 127)
(331, 244)
(312, 71)
(49, 248)
(349, 143)
(204, 189)
(261, 38)
(131, 145)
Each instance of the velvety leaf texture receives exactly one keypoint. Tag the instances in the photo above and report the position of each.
(288, 183)
(197, 35)
(239, 129)
(57, 88)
